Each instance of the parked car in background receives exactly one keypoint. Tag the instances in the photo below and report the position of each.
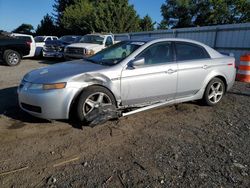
(88, 45)
(129, 77)
(40, 42)
(29, 39)
(12, 50)
(55, 48)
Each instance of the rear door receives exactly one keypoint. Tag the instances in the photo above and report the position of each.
(193, 67)
(154, 81)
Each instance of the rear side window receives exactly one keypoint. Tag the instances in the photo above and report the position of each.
(187, 51)
(25, 38)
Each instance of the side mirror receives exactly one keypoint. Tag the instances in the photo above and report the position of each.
(137, 62)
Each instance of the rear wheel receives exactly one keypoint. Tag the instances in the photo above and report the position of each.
(214, 92)
(11, 57)
(93, 98)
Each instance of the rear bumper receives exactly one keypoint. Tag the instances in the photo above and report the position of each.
(231, 82)
(230, 85)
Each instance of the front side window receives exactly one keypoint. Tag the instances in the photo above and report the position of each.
(187, 51)
(158, 53)
(116, 53)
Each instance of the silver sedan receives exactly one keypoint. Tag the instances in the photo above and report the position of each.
(130, 76)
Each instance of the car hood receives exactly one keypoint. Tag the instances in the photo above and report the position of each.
(62, 72)
(84, 45)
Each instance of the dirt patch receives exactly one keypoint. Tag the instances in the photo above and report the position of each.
(186, 145)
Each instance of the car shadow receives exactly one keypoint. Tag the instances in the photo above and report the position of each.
(9, 107)
(49, 61)
(2, 64)
(239, 93)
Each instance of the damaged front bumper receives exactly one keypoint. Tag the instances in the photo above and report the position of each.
(53, 54)
(47, 104)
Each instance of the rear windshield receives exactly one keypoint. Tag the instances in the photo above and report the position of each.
(39, 39)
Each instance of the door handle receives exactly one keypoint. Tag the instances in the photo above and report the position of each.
(170, 71)
(205, 67)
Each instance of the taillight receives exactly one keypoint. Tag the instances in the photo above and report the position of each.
(28, 43)
(232, 64)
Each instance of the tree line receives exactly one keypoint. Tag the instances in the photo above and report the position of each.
(80, 17)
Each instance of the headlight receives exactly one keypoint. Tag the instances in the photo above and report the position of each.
(54, 86)
(60, 49)
(35, 86)
(46, 86)
(90, 52)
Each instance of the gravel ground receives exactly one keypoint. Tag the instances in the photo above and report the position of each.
(186, 145)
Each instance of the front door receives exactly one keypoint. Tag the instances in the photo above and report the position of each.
(154, 81)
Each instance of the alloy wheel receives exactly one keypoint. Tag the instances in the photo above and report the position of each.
(96, 100)
(216, 92)
(13, 58)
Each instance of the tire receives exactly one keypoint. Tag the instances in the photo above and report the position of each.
(11, 57)
(214, 92)
(41, 54)
(92, 94)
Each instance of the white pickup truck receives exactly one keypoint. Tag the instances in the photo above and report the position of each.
(88, 45)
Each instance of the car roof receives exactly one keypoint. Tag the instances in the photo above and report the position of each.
(20, 34)
(165, 39)
(45, 36)
(99, 34)
(71, 36)
(213, 53)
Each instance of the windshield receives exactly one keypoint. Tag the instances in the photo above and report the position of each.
(116, 53)
(77, 39)
(39, 39)
(69, 39)
(94, 39)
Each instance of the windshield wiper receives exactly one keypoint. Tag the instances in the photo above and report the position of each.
(107, 63)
